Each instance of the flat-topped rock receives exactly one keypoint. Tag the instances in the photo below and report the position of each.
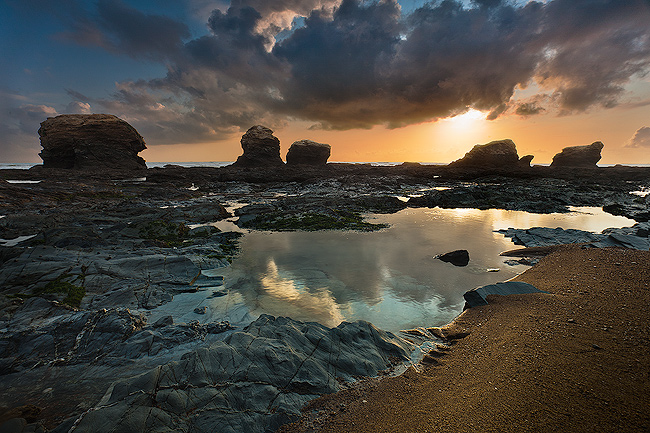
(579, 156)
(90, 141)
(307, 152)
(495, 154)
(261, 148)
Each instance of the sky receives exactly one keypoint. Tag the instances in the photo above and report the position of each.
(378, 80)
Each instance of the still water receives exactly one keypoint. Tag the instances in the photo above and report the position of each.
(390, 277)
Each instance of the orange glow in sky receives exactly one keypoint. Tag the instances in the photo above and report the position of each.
(448, 139)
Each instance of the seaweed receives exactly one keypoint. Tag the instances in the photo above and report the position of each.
(312, 221)
(64, 284)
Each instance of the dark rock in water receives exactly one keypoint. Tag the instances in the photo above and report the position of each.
(90, 141)
(495, 154)
(307, 152)
(579, 156)
(477, 297)
(456, 258)
(261, 148)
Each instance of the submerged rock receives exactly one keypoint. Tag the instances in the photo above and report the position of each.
(307, 152)
(579, 156)
(495, 154)
(90, 141)
(261, 148)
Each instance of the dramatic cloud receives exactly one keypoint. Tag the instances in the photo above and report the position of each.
(122, 29)
(356, 64)
(641, 138)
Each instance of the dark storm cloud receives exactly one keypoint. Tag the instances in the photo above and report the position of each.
(122, 29)
(641, 138)
(357, 64)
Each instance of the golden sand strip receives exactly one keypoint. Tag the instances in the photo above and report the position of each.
(574, 360)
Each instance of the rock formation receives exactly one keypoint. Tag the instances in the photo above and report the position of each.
(261, 148)
(495, 154)
(307, 152)
(90, 141)
(579, 156)
(524, 161)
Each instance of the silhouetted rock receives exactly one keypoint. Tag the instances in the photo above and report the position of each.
(456, 258)
(90, 141)
(495, 154)
(261, 148)
(524, 161)
(579, 156)
(307, 152)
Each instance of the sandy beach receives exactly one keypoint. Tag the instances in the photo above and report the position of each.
(573, 360)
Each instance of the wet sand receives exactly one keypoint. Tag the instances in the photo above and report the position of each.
(574, 360)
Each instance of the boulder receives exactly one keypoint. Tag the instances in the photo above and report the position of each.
(307, 152)
(90, 141)
(261, 148)
(495, 154)
(579, 156)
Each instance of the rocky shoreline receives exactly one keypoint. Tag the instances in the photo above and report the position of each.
(86, 255)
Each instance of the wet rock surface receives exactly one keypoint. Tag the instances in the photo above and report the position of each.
(90, 141)
(254, 380)
(635, 237)
(456, 258)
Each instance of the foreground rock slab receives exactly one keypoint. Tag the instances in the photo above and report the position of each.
(252, 381)
(90, 141)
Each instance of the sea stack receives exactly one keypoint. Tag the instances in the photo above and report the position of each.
(261, 148)
(307, 152)
(90, 141)
(579, 156)
(495, 154)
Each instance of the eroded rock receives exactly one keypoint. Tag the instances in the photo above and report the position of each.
(307, 152)
(261, 148)
(90, 141)
(495, 154)
(579, 156)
